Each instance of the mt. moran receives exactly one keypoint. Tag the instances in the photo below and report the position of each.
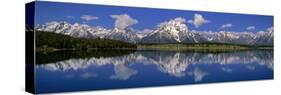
(172, 31)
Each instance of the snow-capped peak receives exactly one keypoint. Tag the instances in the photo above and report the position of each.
(74, 30)
(177, 25)
(174, 27)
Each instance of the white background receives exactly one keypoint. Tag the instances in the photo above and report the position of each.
(12, 48)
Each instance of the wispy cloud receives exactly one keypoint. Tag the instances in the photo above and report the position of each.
(88, 17)
(198, 20)
(70, 17)
(251, 28)
(123, 21)
(228, 25)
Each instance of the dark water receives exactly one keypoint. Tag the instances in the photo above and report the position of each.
(95, 70)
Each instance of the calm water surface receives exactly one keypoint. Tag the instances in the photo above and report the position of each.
(95, 70)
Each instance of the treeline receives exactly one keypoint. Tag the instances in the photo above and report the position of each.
(206, 44)
(45, 40)
(202, 47)
(44, 58)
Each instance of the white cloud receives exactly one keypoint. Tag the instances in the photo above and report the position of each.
(198, 20)
(178, 20)
(251, 28)
(226, 26)
(122, 72)
(88, 17)
(123, 21)
(199, 74)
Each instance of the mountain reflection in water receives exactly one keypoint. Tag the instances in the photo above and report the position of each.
(173, 63)
(148, 68)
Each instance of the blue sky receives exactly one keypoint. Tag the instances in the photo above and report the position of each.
(147, 18)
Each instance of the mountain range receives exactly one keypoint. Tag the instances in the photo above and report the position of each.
(172, 31)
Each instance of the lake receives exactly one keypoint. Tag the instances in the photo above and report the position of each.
(109, 69)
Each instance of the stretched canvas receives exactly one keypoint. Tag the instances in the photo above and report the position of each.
(79, 47)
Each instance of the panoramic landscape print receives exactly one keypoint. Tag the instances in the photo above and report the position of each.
(93, 47)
